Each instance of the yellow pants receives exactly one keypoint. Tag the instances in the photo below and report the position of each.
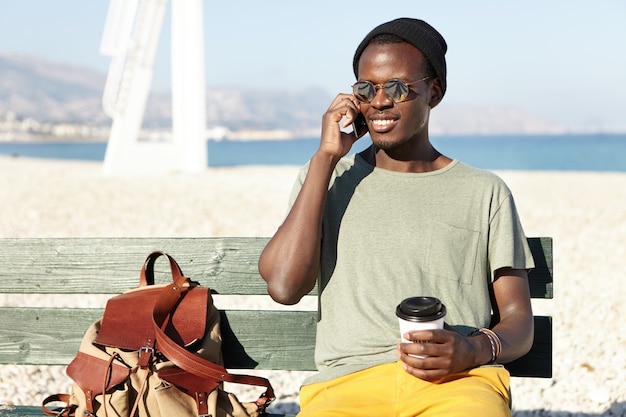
(388, 390)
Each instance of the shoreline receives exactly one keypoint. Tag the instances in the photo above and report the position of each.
(584, 212)
(532, 153)
(219, 134)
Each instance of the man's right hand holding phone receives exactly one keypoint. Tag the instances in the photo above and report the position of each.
(343, 112)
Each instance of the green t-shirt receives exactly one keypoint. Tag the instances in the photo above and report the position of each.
(388, 236)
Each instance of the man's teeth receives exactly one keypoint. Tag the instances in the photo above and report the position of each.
(382, 122)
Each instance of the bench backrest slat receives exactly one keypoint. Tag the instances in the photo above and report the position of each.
(265, 339)
(111, 265)
(252, 339)
(540, 278)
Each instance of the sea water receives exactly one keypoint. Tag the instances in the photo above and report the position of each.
(597, 152)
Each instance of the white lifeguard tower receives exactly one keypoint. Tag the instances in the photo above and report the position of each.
(131, 36)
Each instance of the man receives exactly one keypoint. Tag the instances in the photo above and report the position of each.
(398, 220)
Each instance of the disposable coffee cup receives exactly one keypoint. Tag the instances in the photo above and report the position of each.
(420, 313)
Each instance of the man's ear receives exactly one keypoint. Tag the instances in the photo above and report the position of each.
(436, 93)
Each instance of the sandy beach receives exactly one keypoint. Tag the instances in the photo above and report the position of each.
(584, 212)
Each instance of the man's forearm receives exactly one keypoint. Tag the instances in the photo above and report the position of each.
(290, 262)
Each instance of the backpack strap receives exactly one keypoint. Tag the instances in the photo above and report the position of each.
(67, 411)
(188, 361)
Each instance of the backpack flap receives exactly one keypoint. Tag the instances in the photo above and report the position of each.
(95, 376)
(127, 321)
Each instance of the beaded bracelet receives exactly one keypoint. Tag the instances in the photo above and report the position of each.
(494, 341)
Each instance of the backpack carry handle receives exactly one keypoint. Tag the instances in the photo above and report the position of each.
(146, 276)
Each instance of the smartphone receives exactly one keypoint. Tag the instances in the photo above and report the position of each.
(359, 126)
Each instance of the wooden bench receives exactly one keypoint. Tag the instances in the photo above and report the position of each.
(266, 340)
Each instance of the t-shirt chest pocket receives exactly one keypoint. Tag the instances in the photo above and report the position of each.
(451, 252)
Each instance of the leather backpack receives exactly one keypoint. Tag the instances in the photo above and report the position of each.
(156, 352)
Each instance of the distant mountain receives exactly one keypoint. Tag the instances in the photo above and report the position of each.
(56, 93)
(454, 119)
(50, 92)
(238, 108)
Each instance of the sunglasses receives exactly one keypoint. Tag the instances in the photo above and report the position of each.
(398, 90)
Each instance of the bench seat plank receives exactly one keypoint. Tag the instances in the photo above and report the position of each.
(20, 411)
(35, 411)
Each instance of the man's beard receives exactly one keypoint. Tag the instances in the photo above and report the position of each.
(386, 143)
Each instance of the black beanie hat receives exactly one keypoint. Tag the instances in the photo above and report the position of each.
(419, 34)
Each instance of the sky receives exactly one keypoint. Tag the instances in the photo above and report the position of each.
(561, 60)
